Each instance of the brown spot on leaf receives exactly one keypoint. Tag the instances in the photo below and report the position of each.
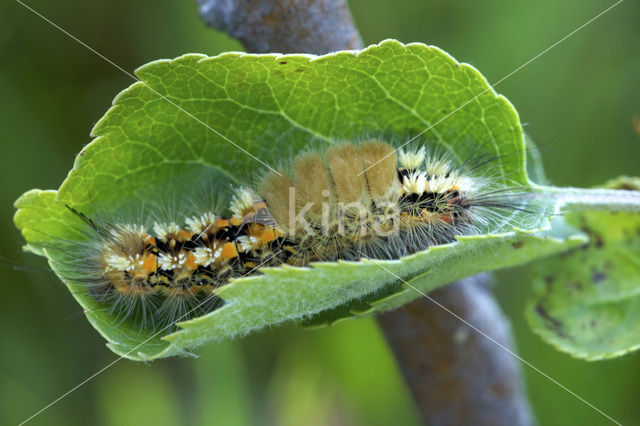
(553, 323)
(598, 241)
(598, 276)
(518, 244)
(595, 237)
(626, 187)
(574, 285)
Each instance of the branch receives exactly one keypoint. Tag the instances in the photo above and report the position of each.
(284, 26)
(457, 375)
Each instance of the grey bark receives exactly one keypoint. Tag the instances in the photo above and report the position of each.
(284, 26)
(456, 375)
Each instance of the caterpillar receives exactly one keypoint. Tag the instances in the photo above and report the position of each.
(351, 201)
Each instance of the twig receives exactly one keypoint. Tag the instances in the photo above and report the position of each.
(457, 376)
(284, 26)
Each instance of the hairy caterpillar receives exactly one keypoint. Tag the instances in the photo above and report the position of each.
(354, 200)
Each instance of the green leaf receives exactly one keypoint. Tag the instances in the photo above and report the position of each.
(587, 300)
(147, 151)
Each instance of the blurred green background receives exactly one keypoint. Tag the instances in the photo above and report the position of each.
(577, 102)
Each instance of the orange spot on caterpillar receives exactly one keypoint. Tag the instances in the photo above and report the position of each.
(268, 235)
(184, 235)
(259, 205)
(445, 218)
(222, 223)
(191, 262)
(228, 251)
(150, 264)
